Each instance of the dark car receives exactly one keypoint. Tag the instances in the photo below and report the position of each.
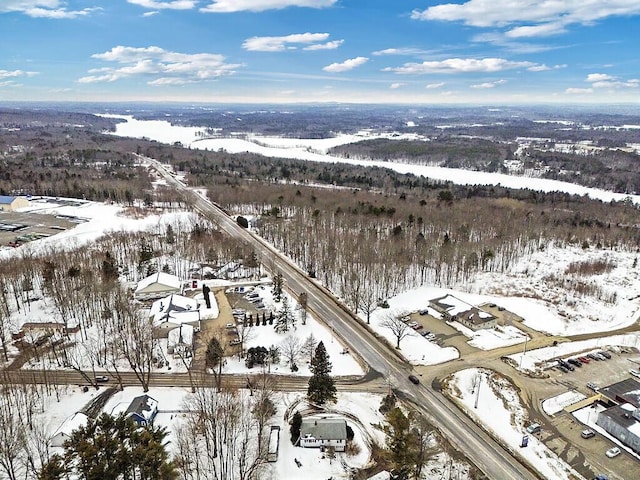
(414, 379)
(563, 369)
(606, 355)
(575, 361)
(566, 365)
(594, 356)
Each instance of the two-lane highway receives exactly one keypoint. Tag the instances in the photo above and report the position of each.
(465, 435)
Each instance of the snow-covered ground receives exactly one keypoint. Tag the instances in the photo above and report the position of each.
(499, 410)
(305, 149)
(556, 404)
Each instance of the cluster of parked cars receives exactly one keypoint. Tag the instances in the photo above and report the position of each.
(418, 326)
(254, 297)
(570, 364)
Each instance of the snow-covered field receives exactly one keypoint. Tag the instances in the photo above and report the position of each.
(499, 410)
(306, 149)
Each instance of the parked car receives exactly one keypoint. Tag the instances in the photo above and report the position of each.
(575, 362)
(235, 341)
(424, 312)
(425, 333)
(534, 428)
(612, 452)
(593, 386)
(417, 327)
(594, 356)
(102, 379)
(584, 360)
(412, 323)
(230, 326)
(606, 355)
(563, 369)
(635, 373)
(414, 379)
(588, 433)
(431, 336)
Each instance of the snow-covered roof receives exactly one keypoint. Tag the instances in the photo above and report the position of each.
(172, 303)
(177, 318)
(144, 405)
(72, 423)
(452, 305)
(160, 278)
(324, 428)
(6, 199)
(181, 335)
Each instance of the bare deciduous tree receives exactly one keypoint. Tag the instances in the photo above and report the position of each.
(396, 322)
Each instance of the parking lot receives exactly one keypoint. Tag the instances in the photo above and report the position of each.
(16, 227)
(565, 437)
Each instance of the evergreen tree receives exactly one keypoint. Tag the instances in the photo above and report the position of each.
(214, 354)
(398, 442)
(284, 318)
(296, 423)
(112, 448)
(322, 386)
(278, 282)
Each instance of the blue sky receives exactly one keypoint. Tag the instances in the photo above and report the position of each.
(379, 51)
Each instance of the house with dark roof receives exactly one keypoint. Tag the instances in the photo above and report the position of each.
(453, 309)
(142, 410)
(12, 203)
(322, 432)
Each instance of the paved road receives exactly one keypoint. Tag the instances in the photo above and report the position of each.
(465, 435)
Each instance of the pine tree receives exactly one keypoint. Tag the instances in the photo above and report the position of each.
(322, 386)
(296, 423)
(398, 442)
(284, 318)
(278, 282)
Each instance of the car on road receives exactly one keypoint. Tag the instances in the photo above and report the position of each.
(612, 452)
(101, 379)
(588, 433)
(414, 379)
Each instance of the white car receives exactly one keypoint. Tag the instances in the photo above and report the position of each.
(612, 452)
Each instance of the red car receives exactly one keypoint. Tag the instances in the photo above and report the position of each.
(584, 359)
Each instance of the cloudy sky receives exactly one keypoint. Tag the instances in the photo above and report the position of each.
(416, 51)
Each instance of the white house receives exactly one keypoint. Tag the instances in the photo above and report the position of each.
(317, 432)
(63, 432)
(157, 285)
(172, 311)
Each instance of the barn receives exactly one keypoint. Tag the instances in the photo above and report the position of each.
(11, 204)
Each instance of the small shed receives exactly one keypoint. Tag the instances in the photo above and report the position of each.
(321, 432)
(63, 433)
(142, 410)
(157, 285)
(12, 203)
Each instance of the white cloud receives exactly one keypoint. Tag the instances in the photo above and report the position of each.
(400, 51)
(578, 91)
(347, 65)
(603, 80)
(530, 17)
(15, 74)
(489, 84)
(460, 65)
(325, 46)
(395, 86)
(227, 6)
(53, 9)
(279, 44)
(150, 14)
(599, 77)
(168, 5)
(433, 86)
(171, 68)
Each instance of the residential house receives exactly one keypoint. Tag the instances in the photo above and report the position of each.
(142, 410)
(63, 433)
(453, 309)
(322, 432)
(157, 285)
(172, 311)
